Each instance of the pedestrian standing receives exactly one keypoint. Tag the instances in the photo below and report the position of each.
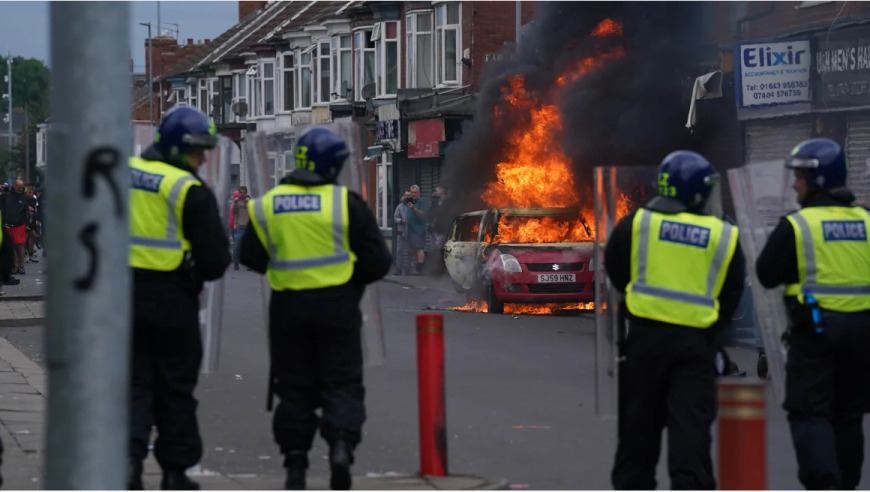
(177, 242)
(14, 205)
(682, 273)
(319, 245)
(240, 221)
(821, 254)
(417, 228)
(403, 250)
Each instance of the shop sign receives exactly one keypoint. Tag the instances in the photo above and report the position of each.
(773, 73)
(842, 63)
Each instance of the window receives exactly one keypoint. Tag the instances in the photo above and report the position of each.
(420, 63)
(203, 95)
(213, 103)
(255, 91)
(240, 86)
(447, 49)
(305, 80)
(364, 52)
(386, 37)
(191, 95)
(268, 88)
(180, 97)
(226, 99)
(322, 72)
(342, 66)
(289, 82)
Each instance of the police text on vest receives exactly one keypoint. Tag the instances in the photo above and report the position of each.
(844, 230)
(690, 235)
(146, 181)
(296, 203)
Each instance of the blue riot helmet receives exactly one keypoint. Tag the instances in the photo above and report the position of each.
(184, 130)
(822, 161)
(321, 151)
(686, 177)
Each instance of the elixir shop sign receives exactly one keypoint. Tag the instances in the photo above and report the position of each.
(842, 62)
(774, 73)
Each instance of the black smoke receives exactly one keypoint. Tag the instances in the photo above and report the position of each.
(632, 111)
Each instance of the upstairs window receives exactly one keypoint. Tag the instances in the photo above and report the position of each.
(386, 38)
(289, 81)
(420, 66)
(213, 104)
(342, 66)
(255, 92)
(191, 95)
(447, 44)
(364, 54)
(203, 95)
(322, 72)
(268, 88)
(226, 99)
(240, 86)
(305, 86)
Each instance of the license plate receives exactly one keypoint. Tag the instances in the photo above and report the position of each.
(549, 278)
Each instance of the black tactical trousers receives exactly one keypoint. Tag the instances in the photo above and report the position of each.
(167, 353)
(827, 378)
(667, 378)
(316, 361)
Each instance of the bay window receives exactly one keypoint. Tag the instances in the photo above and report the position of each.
(364, 53)
(289, 81)
(420, 66)
(191, 95)
(203, 95)
(268, 88)
(305, 79)
(226, 99)
(447, 44)
(255, 91)
(342, 66)
(240, 85)
(386, 37)
(322, 72)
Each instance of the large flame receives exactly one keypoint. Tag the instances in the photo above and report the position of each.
(478, 306)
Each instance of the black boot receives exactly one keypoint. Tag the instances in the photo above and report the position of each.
(176, 479)
(134, 479)
(340, 459)
(296, 463)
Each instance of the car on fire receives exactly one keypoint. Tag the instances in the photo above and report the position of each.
(521, 255)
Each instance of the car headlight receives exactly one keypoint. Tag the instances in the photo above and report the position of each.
(511, 264)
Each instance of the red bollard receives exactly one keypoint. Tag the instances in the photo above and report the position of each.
(742, 449)
(430, 389)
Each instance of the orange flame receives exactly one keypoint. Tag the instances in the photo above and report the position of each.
(607, 27)
(541, 230)
(478, 306)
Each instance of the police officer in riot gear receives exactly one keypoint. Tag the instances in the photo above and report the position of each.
(821, 254)
(682, 272)
(177, 241)
(319, 245)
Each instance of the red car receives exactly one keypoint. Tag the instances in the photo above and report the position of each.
(513, 255)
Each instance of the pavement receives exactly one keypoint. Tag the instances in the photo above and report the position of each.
(23, 403)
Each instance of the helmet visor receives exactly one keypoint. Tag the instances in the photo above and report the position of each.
(801, 163)
(200, 141)
(713, 205)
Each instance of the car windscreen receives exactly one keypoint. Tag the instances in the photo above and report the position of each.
(467, 228)
(542, 229)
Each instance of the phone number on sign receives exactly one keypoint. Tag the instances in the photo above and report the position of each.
(777, 94)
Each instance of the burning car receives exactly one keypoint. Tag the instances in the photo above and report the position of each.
(521, 255)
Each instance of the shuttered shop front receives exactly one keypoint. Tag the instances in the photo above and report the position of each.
(858, 154)
(773, 139)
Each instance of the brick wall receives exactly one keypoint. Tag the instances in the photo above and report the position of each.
(168, 53)
(487, 28)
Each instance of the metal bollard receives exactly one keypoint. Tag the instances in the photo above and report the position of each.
(430, 390)
(742, 448)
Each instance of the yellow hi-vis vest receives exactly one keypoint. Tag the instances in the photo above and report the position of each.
(833, 257)
(678, 265)
(157, 199)
(305, 231)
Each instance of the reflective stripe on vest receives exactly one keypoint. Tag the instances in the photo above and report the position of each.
(846, 257)
(675, 305)
(305, 273)
(163, 252)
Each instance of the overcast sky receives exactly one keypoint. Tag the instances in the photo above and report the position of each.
(24, 28)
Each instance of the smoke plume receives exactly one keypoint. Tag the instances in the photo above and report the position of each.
(631, 111)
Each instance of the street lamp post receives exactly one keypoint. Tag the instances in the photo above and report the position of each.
(150, 75)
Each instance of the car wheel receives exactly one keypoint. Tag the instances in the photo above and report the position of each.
(493, 305)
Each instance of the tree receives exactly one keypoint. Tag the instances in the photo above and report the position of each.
(30, 86)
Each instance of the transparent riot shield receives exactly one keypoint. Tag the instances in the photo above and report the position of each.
(215, 172)
(760, 199)
(617, 191)
(271, 157)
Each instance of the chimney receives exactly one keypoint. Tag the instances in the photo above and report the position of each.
(190, 41)
(247, 8)
(207, 41)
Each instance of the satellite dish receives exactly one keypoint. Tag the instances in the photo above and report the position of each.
(368, 91)
(240, 108)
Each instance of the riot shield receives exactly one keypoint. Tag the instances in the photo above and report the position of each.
(760, 199)
(270, 157)
(215, 172)
(617, 191)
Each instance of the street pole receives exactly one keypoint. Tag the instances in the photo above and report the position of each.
(150, 74)
(9, 105)
(88, 320)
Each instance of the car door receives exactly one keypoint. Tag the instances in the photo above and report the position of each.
(462, 248)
